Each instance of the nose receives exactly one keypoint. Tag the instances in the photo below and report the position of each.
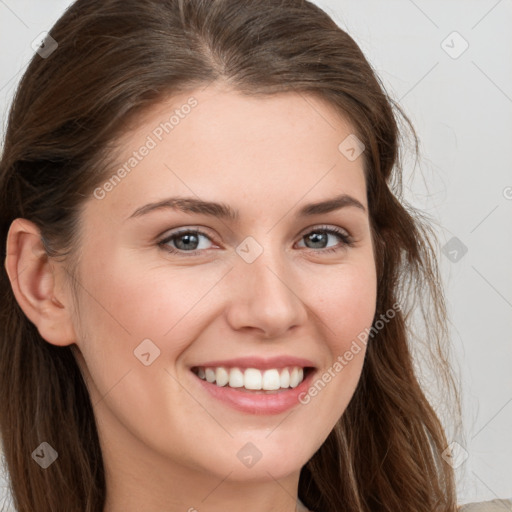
(264, 296)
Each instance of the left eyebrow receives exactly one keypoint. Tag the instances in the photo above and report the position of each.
(221, 210)
(330, 205)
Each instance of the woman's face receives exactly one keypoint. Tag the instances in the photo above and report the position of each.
(271, 289)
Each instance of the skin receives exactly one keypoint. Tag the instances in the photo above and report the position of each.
(167, 444)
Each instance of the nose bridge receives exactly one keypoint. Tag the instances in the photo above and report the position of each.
(265, 291)
(261, 259)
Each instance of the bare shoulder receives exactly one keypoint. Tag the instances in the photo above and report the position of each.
(488, 506)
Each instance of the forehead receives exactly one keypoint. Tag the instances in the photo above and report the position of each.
(250, 148)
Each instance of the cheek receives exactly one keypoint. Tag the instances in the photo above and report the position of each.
(129, 302)
(348, 302)
(346, 310)
(135, 301)
(347, 313)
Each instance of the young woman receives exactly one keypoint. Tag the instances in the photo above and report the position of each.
(210, 271)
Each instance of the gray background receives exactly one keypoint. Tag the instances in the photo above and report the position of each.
(461, 105)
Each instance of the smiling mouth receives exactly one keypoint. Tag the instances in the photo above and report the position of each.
(253, 380)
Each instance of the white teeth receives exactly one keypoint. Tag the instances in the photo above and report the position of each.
(271, 380)
(285, 378)
(252, 378)
(236, 378)
(221, 376)
(210, 374)
(296, 377)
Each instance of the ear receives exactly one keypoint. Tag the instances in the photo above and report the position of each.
(37, 283)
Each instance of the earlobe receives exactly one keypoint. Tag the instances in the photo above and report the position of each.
(33, 278)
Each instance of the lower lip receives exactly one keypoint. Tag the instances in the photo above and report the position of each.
(258, 403)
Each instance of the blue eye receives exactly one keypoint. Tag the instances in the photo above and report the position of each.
(188, 241)
(321, 235)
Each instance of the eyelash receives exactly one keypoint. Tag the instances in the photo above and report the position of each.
(347, 241)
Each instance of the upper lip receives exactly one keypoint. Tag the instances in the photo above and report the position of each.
(259, 362)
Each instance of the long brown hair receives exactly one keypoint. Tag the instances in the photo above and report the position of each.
(116, 58)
